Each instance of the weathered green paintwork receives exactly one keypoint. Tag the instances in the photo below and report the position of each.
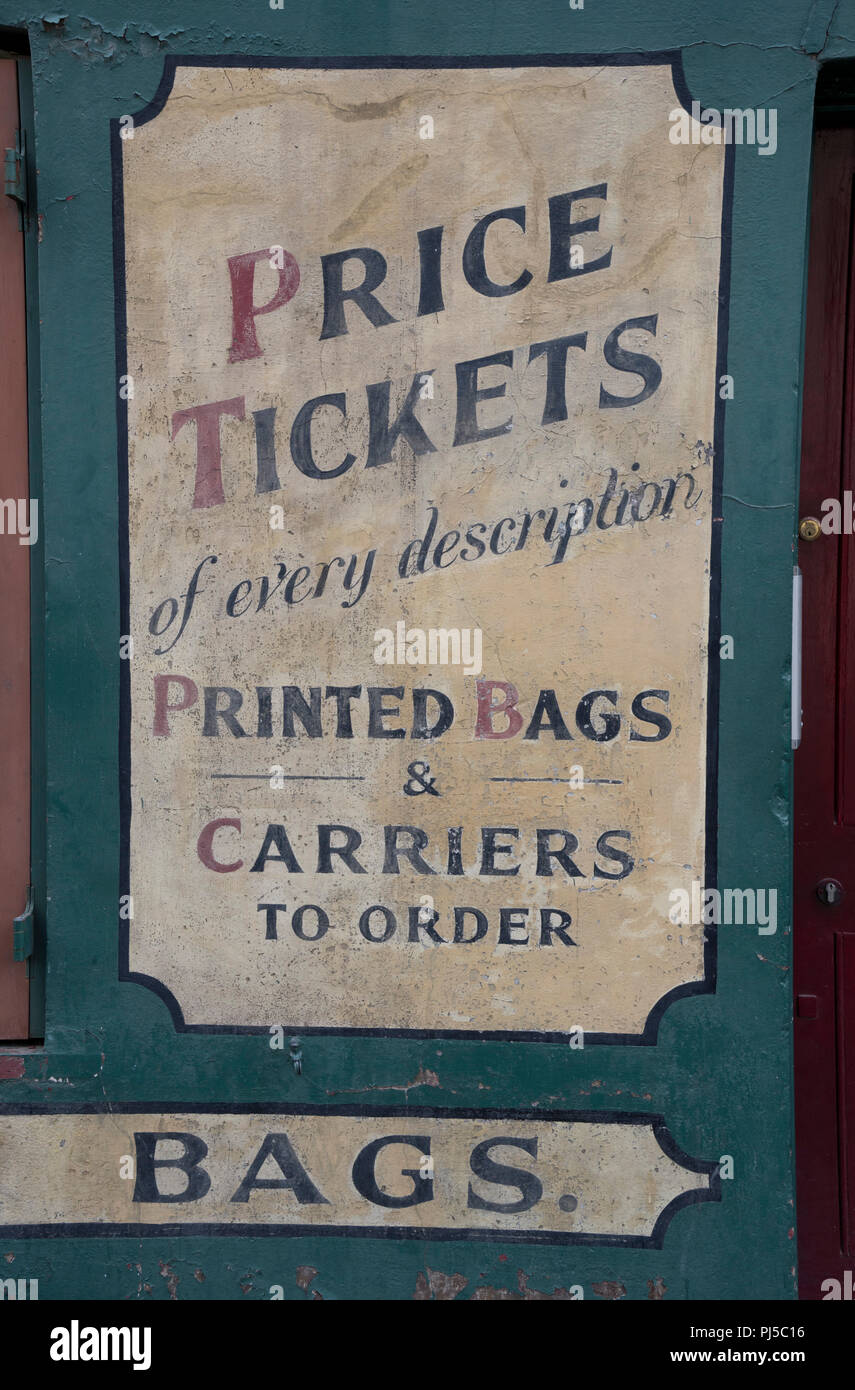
(721, 1073)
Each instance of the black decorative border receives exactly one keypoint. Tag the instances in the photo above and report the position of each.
(655, 1241)
(668, 58)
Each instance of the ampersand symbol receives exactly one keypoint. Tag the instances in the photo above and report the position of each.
(419, 781)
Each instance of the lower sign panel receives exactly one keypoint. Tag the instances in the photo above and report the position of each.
(585, 1178)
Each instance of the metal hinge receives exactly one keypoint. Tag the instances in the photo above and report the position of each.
(22, 933)
(15, 174)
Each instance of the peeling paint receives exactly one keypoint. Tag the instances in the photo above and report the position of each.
(767, 961)
(522, 1293)
(423, 1077)
(438, 1286)
(167, 1273)
(89, 40)
(434, 1285)
(607, 1288)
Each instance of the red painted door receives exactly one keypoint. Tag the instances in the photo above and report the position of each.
(824, 886)
(14, 590)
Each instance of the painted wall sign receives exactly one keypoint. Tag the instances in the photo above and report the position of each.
(287, 1170)
(419, 394)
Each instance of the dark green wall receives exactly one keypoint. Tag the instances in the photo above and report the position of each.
(721, 1073)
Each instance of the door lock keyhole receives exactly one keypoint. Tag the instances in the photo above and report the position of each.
(829, 891)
